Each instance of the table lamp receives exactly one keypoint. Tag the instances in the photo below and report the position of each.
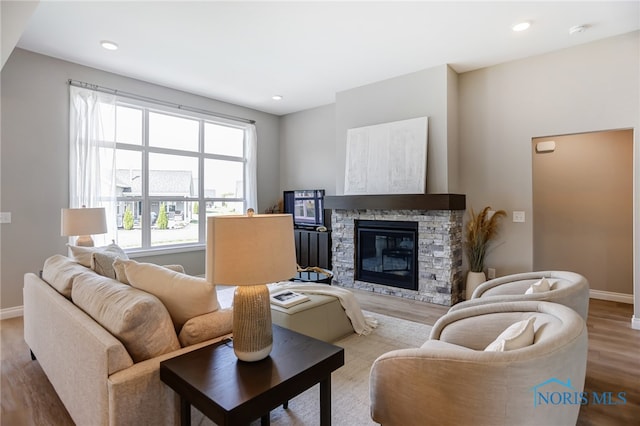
(250, 252)
(83, 222)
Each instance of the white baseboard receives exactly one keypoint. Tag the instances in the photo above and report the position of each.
(611, 296)
(14, 312)
(635, 323)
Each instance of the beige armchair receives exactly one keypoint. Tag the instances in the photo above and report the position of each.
(568, 288)
(451, 380)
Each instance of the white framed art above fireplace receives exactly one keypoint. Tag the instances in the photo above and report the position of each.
(388, 158)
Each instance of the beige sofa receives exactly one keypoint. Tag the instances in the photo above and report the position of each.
(453, 380)
(100, 378)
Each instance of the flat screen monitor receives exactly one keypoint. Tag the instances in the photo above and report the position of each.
(306, 206)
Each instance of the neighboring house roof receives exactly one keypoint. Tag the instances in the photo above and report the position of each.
(173, 183)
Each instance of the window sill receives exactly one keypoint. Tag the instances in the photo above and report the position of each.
(161, 251)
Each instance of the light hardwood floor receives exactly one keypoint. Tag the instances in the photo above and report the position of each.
(613, 365)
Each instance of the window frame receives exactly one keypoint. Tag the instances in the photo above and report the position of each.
(145, 149)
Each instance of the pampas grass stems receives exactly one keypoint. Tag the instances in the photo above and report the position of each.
(479, 232)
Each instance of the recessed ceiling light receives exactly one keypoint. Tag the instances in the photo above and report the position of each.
(277, 97)
(521, 26)
(109, 45)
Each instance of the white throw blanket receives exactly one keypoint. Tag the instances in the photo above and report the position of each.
(361, 324)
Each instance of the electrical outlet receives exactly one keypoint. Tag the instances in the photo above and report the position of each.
(491, 273)
(518, 216)
(5, 217)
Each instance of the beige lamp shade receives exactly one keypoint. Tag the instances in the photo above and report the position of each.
(250, 250)
(83, 222)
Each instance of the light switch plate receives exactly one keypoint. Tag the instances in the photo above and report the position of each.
(5, 217)
(518, 216)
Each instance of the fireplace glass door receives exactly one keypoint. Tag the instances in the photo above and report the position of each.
(386, 253)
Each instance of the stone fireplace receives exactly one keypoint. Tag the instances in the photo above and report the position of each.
(438, 249)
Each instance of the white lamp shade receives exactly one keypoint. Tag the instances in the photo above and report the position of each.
(244, 250)
(83, 221)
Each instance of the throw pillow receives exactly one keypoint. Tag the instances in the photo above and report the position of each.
(138, 319)
(208, 326)
(82, 254)
(516, 336)
(118, 268)
(60, 271)
(102, 263)
(184, 296)
(177, 268)
(121, 276)
(539, 287)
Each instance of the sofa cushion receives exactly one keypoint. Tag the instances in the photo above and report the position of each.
(138, 319)
(121, 275)
(208, 326)
(183, 295)
(59, 271)
(82, 255)
(516, 336)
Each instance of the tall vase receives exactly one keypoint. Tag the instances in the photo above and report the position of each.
(474, 279)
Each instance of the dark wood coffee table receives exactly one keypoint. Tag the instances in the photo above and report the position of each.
(233, 392)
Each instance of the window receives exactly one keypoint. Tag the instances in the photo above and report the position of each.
(173, 169)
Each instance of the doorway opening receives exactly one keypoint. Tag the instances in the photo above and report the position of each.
(583, 208)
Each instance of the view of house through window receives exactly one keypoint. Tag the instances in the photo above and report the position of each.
(172, 171)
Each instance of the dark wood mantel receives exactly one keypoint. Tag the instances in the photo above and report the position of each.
(396, 202)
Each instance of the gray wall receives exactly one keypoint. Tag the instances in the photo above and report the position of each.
(423, 93)
(34, 165)
(496, 112)
(307, 134)
(308, 150)
(586, 88)
(453, 135)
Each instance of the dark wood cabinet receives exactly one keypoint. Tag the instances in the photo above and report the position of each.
(313, 248)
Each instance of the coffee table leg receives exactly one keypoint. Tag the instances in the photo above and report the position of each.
(325, 402)
(265, 420)
(185, 412)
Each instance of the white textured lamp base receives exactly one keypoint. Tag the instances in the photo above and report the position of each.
(252, 333)
(84, 241)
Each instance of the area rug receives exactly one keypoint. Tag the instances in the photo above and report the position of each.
(350, 383)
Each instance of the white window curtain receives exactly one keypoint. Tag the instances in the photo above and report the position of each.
(92, 173)
(252, 168)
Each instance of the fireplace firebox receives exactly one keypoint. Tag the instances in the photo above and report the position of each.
(386, 253)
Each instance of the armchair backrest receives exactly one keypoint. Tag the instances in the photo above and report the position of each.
(569, 289)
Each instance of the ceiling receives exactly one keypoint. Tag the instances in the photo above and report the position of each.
(246, 52)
